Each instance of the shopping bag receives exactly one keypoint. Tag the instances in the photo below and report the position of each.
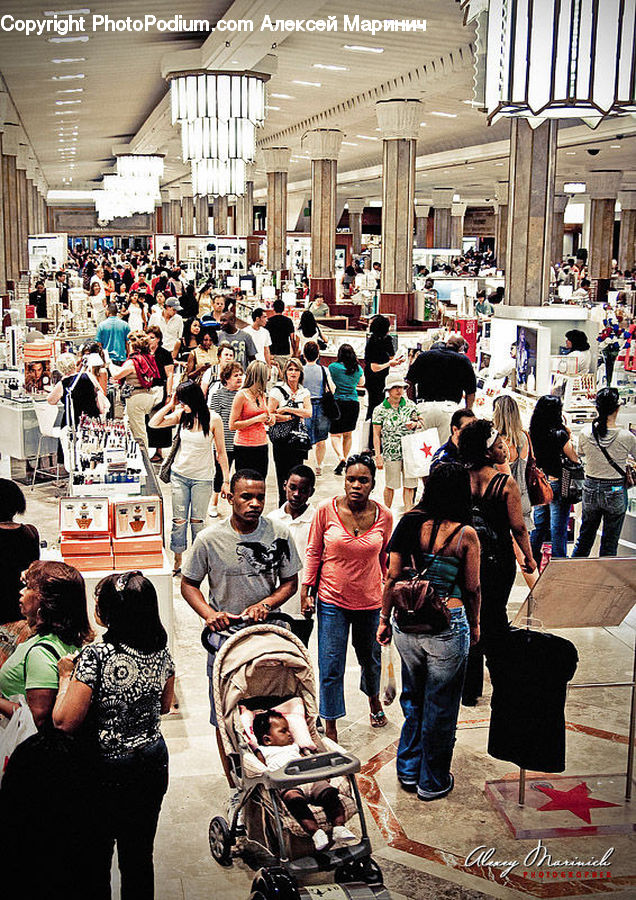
(16, 729)
(418, 449)
(388, 689)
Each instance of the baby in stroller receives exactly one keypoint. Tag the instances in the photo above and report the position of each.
(276, 748)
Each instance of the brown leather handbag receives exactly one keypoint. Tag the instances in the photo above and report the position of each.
(539, 490)
(419, 609)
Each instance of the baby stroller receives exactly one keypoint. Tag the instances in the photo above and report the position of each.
(261, 667)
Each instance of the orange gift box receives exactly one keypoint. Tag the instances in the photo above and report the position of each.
(128, 562)
(137, 545)
(88, 547)
(92, 563)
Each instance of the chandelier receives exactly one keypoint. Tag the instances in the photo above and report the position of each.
(554, 60)
(218, 114)
(140, 166)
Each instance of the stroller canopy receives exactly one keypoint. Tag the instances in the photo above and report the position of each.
(260, 661)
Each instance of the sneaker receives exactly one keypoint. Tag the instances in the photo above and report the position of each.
(213, 512)
(320, 839)
(340, 467)
(342, 835)
(436, 795)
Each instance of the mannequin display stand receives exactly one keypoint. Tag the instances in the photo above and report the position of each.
(581, 593)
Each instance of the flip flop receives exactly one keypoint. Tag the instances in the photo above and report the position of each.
(378, 720)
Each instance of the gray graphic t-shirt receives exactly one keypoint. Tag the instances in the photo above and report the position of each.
(241, 569)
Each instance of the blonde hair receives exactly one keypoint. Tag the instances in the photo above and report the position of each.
(507, 420)
(66, 364)
(296, 363)
(256, 377)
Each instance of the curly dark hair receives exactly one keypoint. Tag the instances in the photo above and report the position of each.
(473, 443)
(62, 594)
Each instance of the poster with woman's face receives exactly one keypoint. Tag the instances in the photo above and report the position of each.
(37, 376)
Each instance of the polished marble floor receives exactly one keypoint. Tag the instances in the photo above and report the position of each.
(421, 847)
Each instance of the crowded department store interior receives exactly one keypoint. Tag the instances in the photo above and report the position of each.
(318, 450)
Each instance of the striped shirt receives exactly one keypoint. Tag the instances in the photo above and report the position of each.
(220, 401)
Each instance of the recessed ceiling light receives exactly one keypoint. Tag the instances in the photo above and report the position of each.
(64, 112)
(500, 164)
(349, 144)
(66, 77)
(308, 83)
(615, 146)
(422, 124)
(281, 96)
(71, 91)
(570, 152)
(472, 102)
(77, 38)
(445, 115)
(366, 137)
(330, 68)
(470, 167)
(361, 49)
(66, 102)
(59, 62)
(272, 107)
(456, 198)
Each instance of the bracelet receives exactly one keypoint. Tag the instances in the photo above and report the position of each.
(266, 606)
(386, 619)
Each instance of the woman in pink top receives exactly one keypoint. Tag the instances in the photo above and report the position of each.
(248, 419)
(347, 556)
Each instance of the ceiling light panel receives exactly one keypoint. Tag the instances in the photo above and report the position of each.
(308, 83)
(59, 62)
(359, 48)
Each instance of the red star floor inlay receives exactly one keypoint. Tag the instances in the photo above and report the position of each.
(577, 800)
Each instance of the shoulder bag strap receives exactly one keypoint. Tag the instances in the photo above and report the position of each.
(443, 547)
(605, 453)
(50, 648)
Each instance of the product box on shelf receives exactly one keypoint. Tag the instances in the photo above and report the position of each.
(92, 563)
(97, 546)
(145, 552)
(137, 518)
(84, 516)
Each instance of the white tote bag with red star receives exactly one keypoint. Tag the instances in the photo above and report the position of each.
(418, 448)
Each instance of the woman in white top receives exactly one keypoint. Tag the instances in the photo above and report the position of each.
(192, 473)
(156, 314)
(308, 330)
(97, 301)
(289, 400)
(578, 345)
(136, 312)
(605, 451)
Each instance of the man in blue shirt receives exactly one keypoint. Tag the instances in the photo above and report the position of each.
(112, 334)
(448, 452)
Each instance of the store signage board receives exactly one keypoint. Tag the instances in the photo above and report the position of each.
(582, 593)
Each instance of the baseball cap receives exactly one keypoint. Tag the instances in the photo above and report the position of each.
(174, 304)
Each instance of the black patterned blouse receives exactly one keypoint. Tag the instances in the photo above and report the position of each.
(126, 703)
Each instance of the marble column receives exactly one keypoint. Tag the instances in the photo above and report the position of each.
(202, 214)
(399, 124)
(10, 201)
(323, 145)
(166, 226)
(442, 203)
(276, 160)
(501, 232)
(187, 214)
(558, 229)
(532, 171)
(421, 224)
(175, 210)
(458, 211)
(602, 188)
(23, 207)
(627, 234)
(356, 210)
(245, 207)
(219, 211)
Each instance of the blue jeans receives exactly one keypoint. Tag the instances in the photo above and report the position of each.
(318, 425)
(190, 501)
(551, 525)
(333, 637)
(433, 668)
(603, 500)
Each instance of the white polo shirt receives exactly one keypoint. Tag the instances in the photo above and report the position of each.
(171, 331)
(262, 338)
(299, 531)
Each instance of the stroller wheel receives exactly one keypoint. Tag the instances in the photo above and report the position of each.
(220, 843)
(274, 883)
(371, 872)
(366, 870)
